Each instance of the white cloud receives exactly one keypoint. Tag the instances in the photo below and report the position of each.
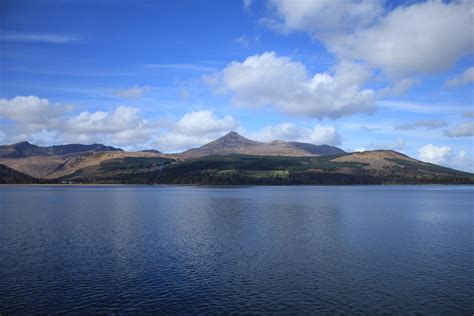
(121, 119)
(44, 137)
(124, 126)
(28, 109)
(324, 135)
(323, 17)
(462, 130)
(435, 154)
(428, 124)
(284, 131)
(204, 122)
(134, 92)
(267, 79)
(290, 132)
(463, 161)
(30, 113)
(444, 155)
(247, 4)
(195, 129)
(134, 138)
(421, 38)
(466, 77)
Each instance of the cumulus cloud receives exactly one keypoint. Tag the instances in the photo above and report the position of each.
(435, 154)
(444, 155)
(267, 79)
(463, 161)
(461, 130)
(428, 124)
(194, 129)
(121, 119)
(204, 122)
(421, 38)
(124, 126)
(28, 109)
(466, 77)
(134, 92)
(291, 132)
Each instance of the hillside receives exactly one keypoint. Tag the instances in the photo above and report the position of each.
(380, 167)
(53, 167)
(231, 159)
(25, 149)
(8, 175)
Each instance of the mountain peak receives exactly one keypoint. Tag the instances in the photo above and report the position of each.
(23, 143)
(233, 134)
(230, 143)
(234, 139)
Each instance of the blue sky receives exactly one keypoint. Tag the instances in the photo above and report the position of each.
(172, 75)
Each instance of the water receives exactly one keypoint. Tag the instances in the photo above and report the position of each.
(191, 250)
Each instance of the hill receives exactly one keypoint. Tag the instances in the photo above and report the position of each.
(8, 175)
(25, 149)
(231, 159)
(53, 167)
(378, 167)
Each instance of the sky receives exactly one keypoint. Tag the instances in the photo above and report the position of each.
(172, 75)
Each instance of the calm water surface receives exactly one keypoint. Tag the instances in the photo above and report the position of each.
(191, 250)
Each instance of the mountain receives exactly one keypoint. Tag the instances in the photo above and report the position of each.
(25, 149)
(234, 143)
(231, 159)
